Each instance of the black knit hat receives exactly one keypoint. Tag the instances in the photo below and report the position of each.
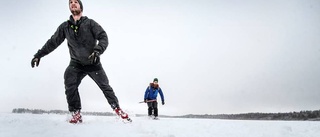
(155, 79)
(81, 6)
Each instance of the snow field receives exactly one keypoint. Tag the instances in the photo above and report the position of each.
(51, 125)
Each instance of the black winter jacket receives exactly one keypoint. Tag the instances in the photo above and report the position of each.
(82, 37)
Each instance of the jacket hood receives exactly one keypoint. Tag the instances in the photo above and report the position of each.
(154, 85)
(72, 21)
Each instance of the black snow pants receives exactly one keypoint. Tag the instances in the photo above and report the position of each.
(72, 79)
(153, 106)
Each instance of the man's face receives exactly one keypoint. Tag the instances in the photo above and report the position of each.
(155, 82)
(74, 7)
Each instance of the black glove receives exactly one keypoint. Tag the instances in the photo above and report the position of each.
(35, 61)
(145, 100)
(94, 57)
(162, 102)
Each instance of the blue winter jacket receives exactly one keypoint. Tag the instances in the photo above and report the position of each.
(152, 93)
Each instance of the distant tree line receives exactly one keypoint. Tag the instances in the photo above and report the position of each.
(302, 115)
(40, 111)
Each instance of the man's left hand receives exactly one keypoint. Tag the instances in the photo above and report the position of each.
(94, 57)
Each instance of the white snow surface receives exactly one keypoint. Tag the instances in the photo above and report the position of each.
(52, 125)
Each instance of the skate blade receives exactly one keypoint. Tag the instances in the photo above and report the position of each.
(127, 120)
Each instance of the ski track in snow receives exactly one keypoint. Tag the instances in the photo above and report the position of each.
(51, 125)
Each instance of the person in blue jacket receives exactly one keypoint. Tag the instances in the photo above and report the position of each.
(150, 97)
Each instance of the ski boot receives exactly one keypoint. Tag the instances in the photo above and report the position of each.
(76, 117)
(122, 114)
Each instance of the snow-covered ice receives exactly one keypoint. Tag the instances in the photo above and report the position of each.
(51, 125)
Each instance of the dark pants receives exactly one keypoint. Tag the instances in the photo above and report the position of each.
(153, 106)
(72, 79)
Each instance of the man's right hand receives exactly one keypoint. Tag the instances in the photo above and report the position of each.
(35, 61)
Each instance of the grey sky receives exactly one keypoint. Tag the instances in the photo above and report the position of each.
(211, 56)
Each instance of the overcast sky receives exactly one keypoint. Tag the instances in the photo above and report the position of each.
(210, 56)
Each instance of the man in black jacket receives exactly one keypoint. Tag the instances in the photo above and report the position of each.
(86, 41)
